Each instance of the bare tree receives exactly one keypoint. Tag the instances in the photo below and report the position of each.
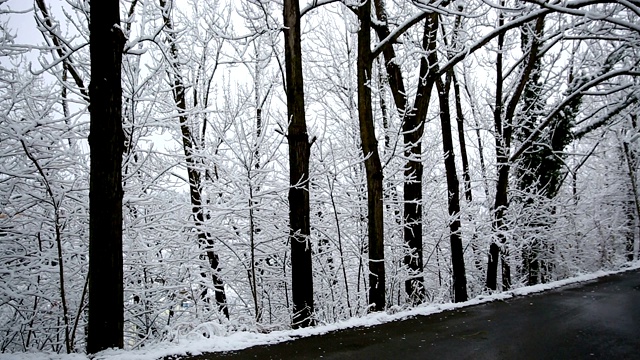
(413, 118)
(193, 172)
(106, 141)
(299, 152)
(373, 166)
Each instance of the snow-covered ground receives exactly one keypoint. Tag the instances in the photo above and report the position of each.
(241, 340)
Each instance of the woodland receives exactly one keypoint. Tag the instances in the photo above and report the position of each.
(258, 165)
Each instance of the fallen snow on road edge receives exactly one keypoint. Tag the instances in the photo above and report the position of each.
(196, 344)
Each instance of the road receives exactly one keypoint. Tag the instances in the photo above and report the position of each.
(595, 320)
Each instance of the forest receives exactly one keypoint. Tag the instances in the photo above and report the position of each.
(259, 165)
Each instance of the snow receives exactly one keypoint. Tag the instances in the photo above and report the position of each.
(197, 344)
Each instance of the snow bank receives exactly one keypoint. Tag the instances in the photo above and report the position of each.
(196, 344)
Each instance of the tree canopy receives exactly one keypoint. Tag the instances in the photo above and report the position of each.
(268, 165)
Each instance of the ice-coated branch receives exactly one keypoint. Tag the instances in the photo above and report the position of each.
(579, 92)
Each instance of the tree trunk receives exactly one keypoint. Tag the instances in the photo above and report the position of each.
(193, 174)
(106, 141)
(500, 203)
(453, 185)
(451, 78)
(632, 213)
(377, 298)
(503, 131)
(413, 119)
(461, 138)
(299, 152)
(453, 190)
(531, 263)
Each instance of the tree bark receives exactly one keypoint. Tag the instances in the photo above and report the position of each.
(106, 142)
(373, 166)
(504, 129)
(193, 174)
(413, 119)
(299, 152)
(461, 138)
(630, 160)
(503, 171)
(453, 190)
(451, 78)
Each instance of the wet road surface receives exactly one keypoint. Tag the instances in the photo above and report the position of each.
(595, 320)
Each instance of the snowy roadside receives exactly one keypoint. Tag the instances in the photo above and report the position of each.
(197, 344)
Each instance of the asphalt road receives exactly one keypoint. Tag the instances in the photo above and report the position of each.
(596, 320)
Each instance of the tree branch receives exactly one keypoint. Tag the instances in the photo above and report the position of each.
(48, 25)
(536, 133)
(315, 4)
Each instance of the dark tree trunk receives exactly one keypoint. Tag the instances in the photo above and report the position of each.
(499, 252)
(106, 141)
(546, 154)
(453, 189)
(499, 209)
(377, 298)
(461, 138)
(299, 152)
(492, 266)
(500, 203)
(633, 205)
(503, 131)
(451, 78)
(413, 260)
(413, 119)
(453, 185)
(195, 183)
(531, 263)
(413, 129)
